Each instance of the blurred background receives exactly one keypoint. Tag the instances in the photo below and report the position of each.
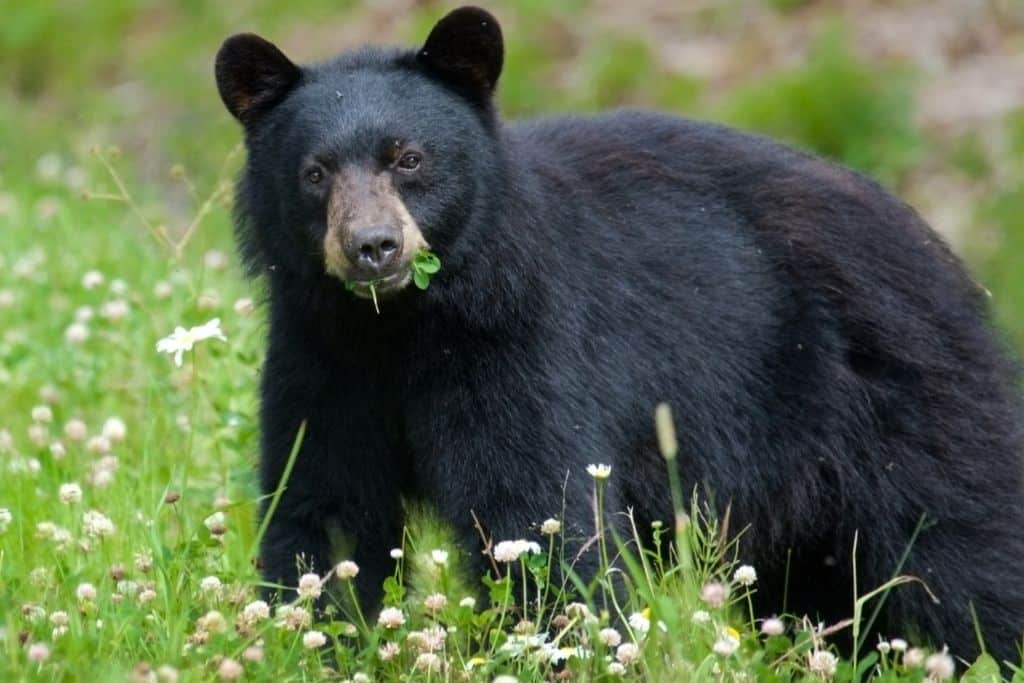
(925, 95)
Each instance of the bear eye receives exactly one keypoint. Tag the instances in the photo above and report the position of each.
(410, 161)
(314, 175)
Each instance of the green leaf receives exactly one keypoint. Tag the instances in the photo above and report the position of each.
(421, 279)
(984, 670)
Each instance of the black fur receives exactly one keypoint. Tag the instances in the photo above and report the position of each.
(829, 362)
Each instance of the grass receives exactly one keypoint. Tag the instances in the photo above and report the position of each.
(88, 287)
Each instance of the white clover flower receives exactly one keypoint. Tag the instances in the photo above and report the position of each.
(435, 602)
(396, 553)
(38, 652)
(822, 662)
(293, 618)
(182, 340)
(57, 450)
(627, 653)
(167, 674)
(216, 523)
(86, 592)
(745, 575)
(75, 430)
(92, 279)
(97, 525)
(163, 289)
(208, 300)
(146, 595)
(42, 413)
(391, 617)
(70, 493)
(114, 429)
(210, 585)
(230, 669)
(38, 434)
(5, 519)
(913, 658)
(388, 651)
(255, 611)
(215, 259)
(310, 586)
(509, 551)
(610, 637)
(616, 669)
(773, 627)
(346, 569)
(714, 593)
(467, 601)
(253, 653)
(599, 471)
(212, 622)
(76, 333)
(550, 527)
(700, 617)
(244, 306)
(360, 677)
(118, 286)
(427, 662)
(311, 640)
(940, 666)
(99, 444)
(727, 643)
(84, 314)
(440, 557)
(7, 298)
(883, 646)
(115, 309)
(59, 618)
(898, 644)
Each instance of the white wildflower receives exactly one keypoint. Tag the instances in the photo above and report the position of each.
(70, 493)
(627, 653)
(210, 585)
(700, 617)
(38, 652)
(115, 309)
(96, 524)
(745, 575)
(396, 553)
(714, 593)
(440, 557)
(727, 643)
(182, 340)
(346, 569)
(244, 306)
(467, 601)
(773, 627)
(940, 666)
(435, 602)
(898, 644)
(255, 611)
(913, 658)
(509, 551)
(312, 640)
(610, 637)
(5, 519)
(85, 592)
(639, 623)
(391, 617)
(550, 527)
(599, 471)
(42, 413)
(822, 662)
(114, 429)
(92, 279)
(310, 586)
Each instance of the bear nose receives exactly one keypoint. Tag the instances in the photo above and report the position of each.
(375, 248)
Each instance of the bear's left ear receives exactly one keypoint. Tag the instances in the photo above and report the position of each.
(465, 48)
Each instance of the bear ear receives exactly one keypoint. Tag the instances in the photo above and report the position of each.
(253, 76)
(465, 48)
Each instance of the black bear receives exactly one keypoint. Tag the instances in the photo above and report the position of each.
(829, 361)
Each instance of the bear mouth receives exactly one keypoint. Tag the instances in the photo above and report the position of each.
(382, 286)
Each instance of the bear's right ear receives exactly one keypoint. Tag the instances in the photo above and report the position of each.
(253, 76)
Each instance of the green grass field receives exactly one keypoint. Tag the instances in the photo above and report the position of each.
(128, 495)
